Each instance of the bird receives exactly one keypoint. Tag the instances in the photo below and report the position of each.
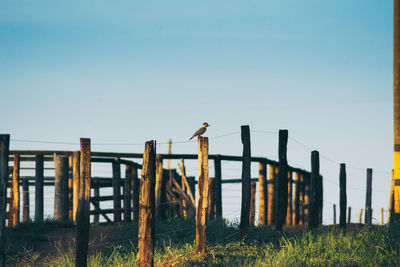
(200, 131)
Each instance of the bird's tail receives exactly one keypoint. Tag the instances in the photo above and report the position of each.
(191, 138)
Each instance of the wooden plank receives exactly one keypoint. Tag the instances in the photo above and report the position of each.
(159, 184)
(211, 199)
(342, 196)
(262, 194)
(296, 198)
(70, 187)
(98, 211)
(190, 207)
(25, 201)
(61, 188)
(202, 200)
(218, 187)
(289, 210)
(301, 198)
(281, 184)
(187, 185)
(368, 197)
(147, 203)
(271, 193)
(252, 203)
(94, 201)
(116, 172)
(39, 178)
(82, 219)
(135, 193)
(15, 192)
(128, 193)
(313, 206)
(246, 187)
(4, 153)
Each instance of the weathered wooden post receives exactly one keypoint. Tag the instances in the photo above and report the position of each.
(135, 193)
(75, 182)
(360, 216)
(334, 214)
(211, 199)
(82, 216)
(61, 188)
(202, 200)
(296, 198)
(128, 193)
(147, 206)
(159, 184)
(343, 196)
(25, 200)
(70, 188)
(281, 188)
(4, 153)
(262, 193)
(313, 207)
(253, 203)
(245, 208)
(301, 199)
(116, 172)
(39, 174)
(271, 193)
(15, 192)
(368, 212)
(289, 210)
(218, 187)
(320, 199)
(349, 215)
(96, 191)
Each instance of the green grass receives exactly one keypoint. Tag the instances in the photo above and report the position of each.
(368, 246)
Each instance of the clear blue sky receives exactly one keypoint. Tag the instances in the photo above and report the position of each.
(130, 71)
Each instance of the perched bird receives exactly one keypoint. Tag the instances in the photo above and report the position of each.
(200, 131)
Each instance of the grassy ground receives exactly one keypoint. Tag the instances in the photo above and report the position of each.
(366, 246)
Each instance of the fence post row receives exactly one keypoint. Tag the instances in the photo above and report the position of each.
(246, 190)
(343, 196)
(82, 216)
(147, 206)
(4, 153)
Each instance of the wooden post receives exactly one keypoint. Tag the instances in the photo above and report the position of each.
(289, 210)
(253, 203)
(159, 184)
(301, 199)
(70, 188)
(306, 203)
(147, 206)
(245, 209)
(382, 221)
(368, 213)
(116, 171)
(135, 193)
(25, 200)
(313, 210)
(349, 215)
(218, 187)
(128, 193)
(75, 183)
(15, 192)
(82, 217)
(262, 194)
(61, 188)
(271, 193)
(343, 196)
(360, 216)
(396, 108)
(202, 200)
(39, 174)
(320, 198)
(296, 198)
(334, 214)
(281, 188)
(96, 191)
(4, 153)
(211, 199)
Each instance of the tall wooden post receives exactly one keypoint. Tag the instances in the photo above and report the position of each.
(253, 203)
(39, 174)
(218, 187)
(211, 199)
(128, 193)
(147, 206)
(281, 188)
(313, 210)
(4, 153)
(15, 192)
(159, 184)
(296, 198)
(82, 217)
(25, 200)
(202, 200)
(349, 215)
(245, 209)
(368, 213)
(116, 171)
(396, 107)
(70, 188)
(289, 210)
(61, 188)
(343, 196)
(271, 193)
(75, 182)
(262, 193)
(320, 199)
(135, 193)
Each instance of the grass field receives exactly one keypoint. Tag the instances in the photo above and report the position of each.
(362, 246)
